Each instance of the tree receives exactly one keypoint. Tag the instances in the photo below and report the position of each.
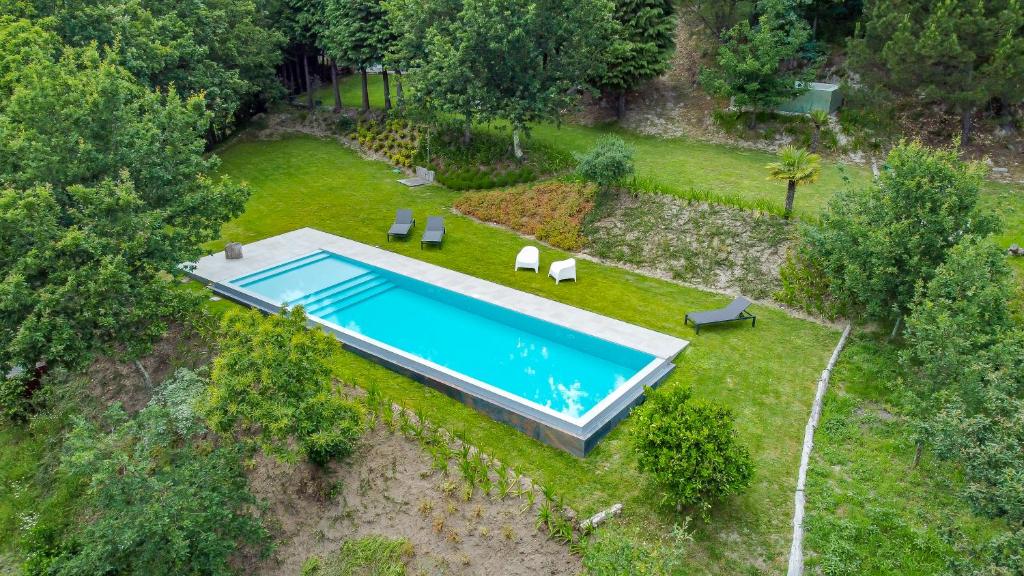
(608, 163)
(157, 499)
(104, 191)
(359, 34)
(689, 447)
(716, 15)
(225, 50)
(876, 244)
(755, 62)
(795, 166)
(520, 61)
(819, 118)
(959, 53)
(642, 47)
(271, 380)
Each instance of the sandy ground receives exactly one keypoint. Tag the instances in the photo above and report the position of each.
(389, 488)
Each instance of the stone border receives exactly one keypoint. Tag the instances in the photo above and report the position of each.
(796, 551)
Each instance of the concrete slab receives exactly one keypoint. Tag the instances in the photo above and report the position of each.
(277, 249)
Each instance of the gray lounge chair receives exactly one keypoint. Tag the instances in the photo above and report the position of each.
(434, 234)
(736, 311)
(403, 224)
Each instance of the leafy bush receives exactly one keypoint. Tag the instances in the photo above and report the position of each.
(396, 139)
(270, 380)
(689, 447)
(155, 501)
(806, 287)
(554, 212)
(608, 163)
(489, 154)
(622, 552)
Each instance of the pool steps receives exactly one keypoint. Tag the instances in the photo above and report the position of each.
(300, 263)
(350, 292)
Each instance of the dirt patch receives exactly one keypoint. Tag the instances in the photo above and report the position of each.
(390, 488)
(111, 380)
(708, 245)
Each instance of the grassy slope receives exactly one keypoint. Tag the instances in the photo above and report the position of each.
(868, 511)
(766, 375)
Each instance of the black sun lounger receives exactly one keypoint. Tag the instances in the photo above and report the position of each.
(403, 223)
(734, 312)
(434, 234)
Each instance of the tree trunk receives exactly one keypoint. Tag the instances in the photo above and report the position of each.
(752, 121)
(145, 375)
(620, 104)
(790, 196)
(917, 454)
(517, 147)
(896, 328)
(815, 138)
(334, 86)
(467, 130)
(966, 117)
(387, 89)
(398, 87)
(366, 90)
(309, 84)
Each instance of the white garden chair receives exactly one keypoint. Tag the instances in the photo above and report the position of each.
(563, 270)
(529, 257)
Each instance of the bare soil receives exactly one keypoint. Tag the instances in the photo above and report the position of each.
(111, 380)
(390, 488)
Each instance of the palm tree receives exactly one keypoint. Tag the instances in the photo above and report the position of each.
(795, 166)
(820, 119)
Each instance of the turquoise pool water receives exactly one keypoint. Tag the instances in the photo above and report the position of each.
(562, 369)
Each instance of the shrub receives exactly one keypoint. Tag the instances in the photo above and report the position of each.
(154, 501)
(554, 212)
(329, 427)
(271, 381)
(608, 163)
(689, 447)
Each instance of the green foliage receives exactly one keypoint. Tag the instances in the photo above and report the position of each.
(104, 190)
(750, 61)
(795, 166)
(619, 552)
(226, 50)
(960, 53)
(153, 501)
(271, 380)
(608, 163)
(644, 40)
(689, 447)
(519, 61)
(876, 244)
(805, 287)
(966, 355)
(356, 33)
(369, 556)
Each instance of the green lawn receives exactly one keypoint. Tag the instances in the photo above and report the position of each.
(868, 511)
(766, 375)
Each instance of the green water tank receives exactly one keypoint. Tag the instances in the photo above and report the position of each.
(819, 96)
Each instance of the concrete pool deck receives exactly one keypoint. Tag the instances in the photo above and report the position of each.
(577, 437)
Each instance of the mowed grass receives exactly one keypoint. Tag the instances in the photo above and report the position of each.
(765, 375)
(679, 164)
(869, 511)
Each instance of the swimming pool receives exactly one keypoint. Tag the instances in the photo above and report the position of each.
(560, 369)
(557, 373)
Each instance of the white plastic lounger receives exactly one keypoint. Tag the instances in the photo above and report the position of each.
(423, 176)
(563, 270)
(529, 257)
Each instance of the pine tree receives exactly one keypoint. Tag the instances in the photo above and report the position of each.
(960, 53)
(642, 48)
